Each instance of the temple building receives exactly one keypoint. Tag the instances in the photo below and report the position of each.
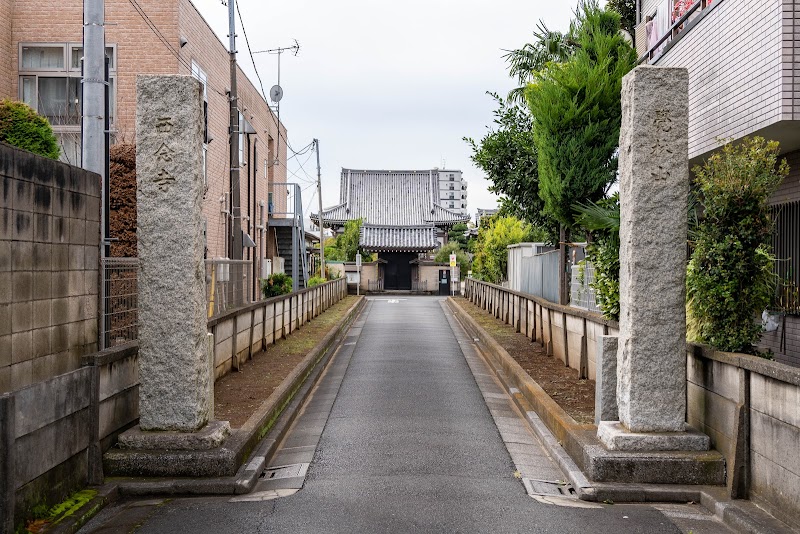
(401, 217)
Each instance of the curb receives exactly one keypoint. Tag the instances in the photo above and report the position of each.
(740, 515)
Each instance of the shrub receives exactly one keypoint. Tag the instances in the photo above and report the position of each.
(462, 259)
(22, 127)
(495, 234)
(277, 284)
(730, 278)
(315, 281)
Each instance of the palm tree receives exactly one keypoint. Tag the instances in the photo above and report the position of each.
(548, 46)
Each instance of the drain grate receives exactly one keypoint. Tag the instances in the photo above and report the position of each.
(285, 471)
(548, 487)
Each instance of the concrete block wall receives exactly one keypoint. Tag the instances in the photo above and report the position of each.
(61, 425)
(49, 267)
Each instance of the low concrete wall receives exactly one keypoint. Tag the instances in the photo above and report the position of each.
(750, 407)
(570, 334)
(53, 431)
(240, 333)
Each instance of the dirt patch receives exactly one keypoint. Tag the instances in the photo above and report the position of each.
(574, 395)
(238, 394)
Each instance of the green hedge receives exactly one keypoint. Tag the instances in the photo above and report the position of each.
(22, 127)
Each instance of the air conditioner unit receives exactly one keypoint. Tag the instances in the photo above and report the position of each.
(266, 267)
(278, 265)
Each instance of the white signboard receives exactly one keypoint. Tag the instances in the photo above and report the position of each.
(358, 261)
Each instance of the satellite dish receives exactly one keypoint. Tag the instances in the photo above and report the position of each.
(276, 93)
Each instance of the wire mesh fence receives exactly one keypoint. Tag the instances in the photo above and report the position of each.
(582, 294)
(228, 284)
(121, 317)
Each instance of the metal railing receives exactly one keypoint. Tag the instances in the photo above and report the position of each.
(227, 284)
(681, 25)
(121, 319)
(786, 247)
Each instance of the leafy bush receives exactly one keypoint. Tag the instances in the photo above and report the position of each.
(22, 127)
(730, 277)
(462, 259)
(491, 255)
(277, 284)
(315, 281)
(344, 247)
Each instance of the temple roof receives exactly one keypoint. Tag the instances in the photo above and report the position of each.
(398, 238)
(390, 198)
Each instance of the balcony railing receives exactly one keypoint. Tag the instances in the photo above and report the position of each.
(679, 28)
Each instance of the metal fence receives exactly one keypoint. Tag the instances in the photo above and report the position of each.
(582, 294)
(786, 247)
(540, 275)
(228, 284)
(121, 319)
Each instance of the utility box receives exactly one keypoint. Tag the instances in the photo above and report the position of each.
(266, 267)
(278, 265)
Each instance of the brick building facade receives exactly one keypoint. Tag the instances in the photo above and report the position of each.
(742, 57)
(40, 50)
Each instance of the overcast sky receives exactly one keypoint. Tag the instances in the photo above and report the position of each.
(386, 84)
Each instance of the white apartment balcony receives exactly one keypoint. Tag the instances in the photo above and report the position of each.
(741, 56)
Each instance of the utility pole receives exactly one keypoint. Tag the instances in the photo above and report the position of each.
(235, 237)
(94, 145)
(321, 224)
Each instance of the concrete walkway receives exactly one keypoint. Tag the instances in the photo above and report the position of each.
(407, 431)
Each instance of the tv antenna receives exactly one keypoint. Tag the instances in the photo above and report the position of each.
(276, 91)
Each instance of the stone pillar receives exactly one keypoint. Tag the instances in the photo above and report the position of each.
(174, 367)
(605, 397)
(654, 186)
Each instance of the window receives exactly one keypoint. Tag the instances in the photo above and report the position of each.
(199, 74)
(452, 177)
(50, 82)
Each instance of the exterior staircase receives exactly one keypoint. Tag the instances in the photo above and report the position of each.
(284, 236)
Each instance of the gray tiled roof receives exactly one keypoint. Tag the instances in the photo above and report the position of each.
(398, 238)
(390, 198)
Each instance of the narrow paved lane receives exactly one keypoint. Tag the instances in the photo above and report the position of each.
(409, 446)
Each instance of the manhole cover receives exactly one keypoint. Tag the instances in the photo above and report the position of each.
(285, 471)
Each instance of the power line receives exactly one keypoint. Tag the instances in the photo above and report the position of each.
(247, 42)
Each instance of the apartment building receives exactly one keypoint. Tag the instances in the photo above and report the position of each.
(452, 190)
(743, 58)
(40, 63)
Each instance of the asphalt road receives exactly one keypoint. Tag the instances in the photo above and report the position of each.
(409, 446)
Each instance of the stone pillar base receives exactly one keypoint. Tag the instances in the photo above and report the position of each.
(615, 437)
(210, 436)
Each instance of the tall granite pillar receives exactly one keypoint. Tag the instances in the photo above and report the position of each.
(175, 371)
(654, 186)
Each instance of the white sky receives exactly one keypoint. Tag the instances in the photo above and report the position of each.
(386, 84)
